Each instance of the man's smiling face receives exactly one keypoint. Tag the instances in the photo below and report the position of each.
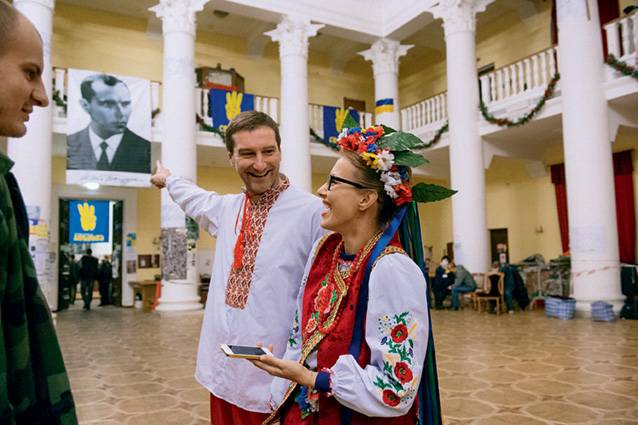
(256, 158)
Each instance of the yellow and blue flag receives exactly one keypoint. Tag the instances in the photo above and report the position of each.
(89, 221)
(226, 104)
(333, 119)
(384, 105)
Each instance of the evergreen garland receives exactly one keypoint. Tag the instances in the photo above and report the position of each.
(506, 122)
(621, 66)
(437, 136)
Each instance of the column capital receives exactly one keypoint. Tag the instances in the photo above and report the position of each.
(292, 33)
(49, 4)
(384, 55)
(178, 15)
(458, 15)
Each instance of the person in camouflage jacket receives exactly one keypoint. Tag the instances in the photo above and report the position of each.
(34, 387)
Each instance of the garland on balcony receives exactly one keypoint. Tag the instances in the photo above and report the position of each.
(209, 128)
(621, 66)
(437, 136)
(506, 122)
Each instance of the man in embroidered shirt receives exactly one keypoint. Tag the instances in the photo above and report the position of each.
(34, 388)
(264, 237)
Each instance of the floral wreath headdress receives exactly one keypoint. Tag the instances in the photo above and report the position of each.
(389, 153)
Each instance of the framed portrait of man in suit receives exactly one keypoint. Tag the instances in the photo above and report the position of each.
(108, 129)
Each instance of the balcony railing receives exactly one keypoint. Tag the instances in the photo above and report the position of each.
(527, 77)
(429, 112)
(622, 37)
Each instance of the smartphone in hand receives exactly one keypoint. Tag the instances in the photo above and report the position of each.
(244, 352)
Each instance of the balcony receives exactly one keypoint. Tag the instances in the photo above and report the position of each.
(513, 90)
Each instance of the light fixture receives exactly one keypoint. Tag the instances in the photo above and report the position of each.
(92, 185)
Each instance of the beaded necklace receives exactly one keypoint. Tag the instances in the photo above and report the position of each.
(324, 318)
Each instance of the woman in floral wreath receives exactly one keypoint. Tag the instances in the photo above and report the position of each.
(357, 347)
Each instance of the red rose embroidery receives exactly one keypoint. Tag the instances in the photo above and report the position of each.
(322, 300)
(391, 398)
(403, 373)
(311, 325)
(399, 333)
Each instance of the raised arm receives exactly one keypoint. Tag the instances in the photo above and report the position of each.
(200, 205)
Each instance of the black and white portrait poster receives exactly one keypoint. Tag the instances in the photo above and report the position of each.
(108, 129)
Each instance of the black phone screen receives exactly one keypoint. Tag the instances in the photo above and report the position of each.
(246, 351)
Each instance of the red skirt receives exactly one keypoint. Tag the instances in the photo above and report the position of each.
(224, 413)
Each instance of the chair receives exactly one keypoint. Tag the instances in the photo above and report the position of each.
(480, 279)
(494, 291)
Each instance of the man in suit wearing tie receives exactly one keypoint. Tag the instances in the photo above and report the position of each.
(107, 144)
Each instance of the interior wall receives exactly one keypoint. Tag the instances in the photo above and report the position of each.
(97, 40)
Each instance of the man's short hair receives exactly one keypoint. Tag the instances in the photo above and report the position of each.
(89, 251)
(249, 121)
(445, 257)
(87, 84)
(8, 22)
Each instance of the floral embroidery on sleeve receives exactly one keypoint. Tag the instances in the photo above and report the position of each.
(292, 336)
(397, 383)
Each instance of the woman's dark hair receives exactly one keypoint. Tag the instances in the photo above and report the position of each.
(372, 179)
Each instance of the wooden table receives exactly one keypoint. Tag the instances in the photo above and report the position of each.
(147, 290)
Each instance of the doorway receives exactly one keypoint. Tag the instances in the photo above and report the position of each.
(498, 239)
(102, 234)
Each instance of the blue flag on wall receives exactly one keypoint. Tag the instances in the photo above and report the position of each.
(89, 221)
(333, 119)
(225, 105)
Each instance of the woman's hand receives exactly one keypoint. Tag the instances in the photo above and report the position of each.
(158, 179)
(287, 369)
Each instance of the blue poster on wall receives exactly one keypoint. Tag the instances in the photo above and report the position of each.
(89, 221)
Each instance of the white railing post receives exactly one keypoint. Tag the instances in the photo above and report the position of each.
(273, 109)
(625, 30)
(528, 75)
(535, 71)
(552, 62)
(513, 79)
(499, 84)
(613, 39)
(492, 87)
(543, 68)
(506, 81)
(521, 77)
(444, 105)
(485, 89)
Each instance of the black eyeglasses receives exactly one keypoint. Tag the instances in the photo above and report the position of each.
(332, 179)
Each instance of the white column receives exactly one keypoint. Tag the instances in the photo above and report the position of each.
(292, 34)
(467, 174)
(588, 157)
(384, 55)
(180, 281)
(32, 153)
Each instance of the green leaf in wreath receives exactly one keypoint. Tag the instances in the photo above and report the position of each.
(424, 192)
(400, 141)
(409, 158)
(387, 130)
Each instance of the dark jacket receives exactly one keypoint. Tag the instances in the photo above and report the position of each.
(34, 387)
(440, 283)
(88, 267)
(133, 153)
(105, 274)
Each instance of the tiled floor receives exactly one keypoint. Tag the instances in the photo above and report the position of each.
(135, 368)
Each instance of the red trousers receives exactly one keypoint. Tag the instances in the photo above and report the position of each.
(224, 413)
